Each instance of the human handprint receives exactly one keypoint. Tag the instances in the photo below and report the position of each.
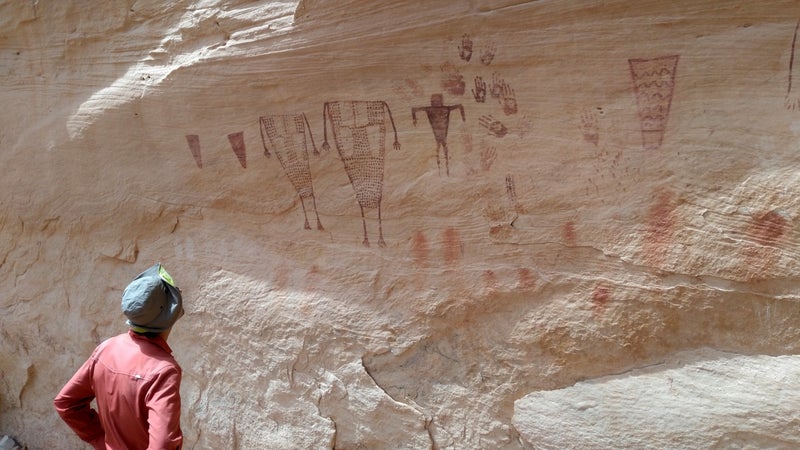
(454, 84)
(495, 127)
(511, 190)
(465, 49)
(480, 90)
(488, 155)
(452, 81)
(590, 127)
(523, 125)
(508, 100)
(497, 86)
(487, 55)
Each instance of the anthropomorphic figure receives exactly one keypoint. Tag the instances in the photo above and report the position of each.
(286, 134)
(133, 376)
(439, 118)
(359, 132)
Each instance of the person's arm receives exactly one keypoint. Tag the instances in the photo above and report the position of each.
(163, 403)
(73, 404)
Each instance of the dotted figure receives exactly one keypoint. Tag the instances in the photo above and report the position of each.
(286, 135)
(359, 133)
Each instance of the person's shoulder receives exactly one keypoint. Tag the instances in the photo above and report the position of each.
(118, 338)
(109, 342)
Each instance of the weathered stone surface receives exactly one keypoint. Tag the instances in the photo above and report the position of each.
(622, 187)
(697, 399)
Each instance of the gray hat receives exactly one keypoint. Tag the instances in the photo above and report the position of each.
(152, 302)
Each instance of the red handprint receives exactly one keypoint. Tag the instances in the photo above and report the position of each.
(508, 100)
(487, 55)
(465, 49)
(495, 127)
(480, 90)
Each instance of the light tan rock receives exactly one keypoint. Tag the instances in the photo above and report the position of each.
(620, 188)
(697, 399)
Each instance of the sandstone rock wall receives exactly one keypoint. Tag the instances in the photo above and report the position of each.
(621, 188)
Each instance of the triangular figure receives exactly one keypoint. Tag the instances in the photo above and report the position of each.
(237, 143)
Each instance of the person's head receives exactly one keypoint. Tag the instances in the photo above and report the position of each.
(151, 302)
(437, 100)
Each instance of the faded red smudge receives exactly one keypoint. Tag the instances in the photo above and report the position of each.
(490, 279)
(527, 279)
(600, 299)
(768, 228)
(420, 249)
(660, 227)
(451, 246)
(466, 139)
(400, 91)
(568, 233)
(312, 278)
(408, 89)
(766, 231)
(194, 145)
(415, 87)
(281, 279)
(237, 144)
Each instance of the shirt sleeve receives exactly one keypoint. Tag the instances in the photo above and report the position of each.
(73, 404)
(163, 403)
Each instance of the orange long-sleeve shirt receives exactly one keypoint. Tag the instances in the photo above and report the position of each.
(136, 382)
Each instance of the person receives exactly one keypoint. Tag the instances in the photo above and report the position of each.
(133, 376)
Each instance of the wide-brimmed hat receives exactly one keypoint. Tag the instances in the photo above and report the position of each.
(151, 302)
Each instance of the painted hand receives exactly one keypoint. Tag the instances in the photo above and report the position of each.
(465, 49)
(508, 100)
(495, 127)
(487, 55)
(480, 90)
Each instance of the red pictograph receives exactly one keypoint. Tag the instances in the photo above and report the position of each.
(654, 86)
(359, 133)
(194, 146)
(237, 144)
(288, 135)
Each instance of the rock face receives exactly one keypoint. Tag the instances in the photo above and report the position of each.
(698, 399)
(410, 224)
